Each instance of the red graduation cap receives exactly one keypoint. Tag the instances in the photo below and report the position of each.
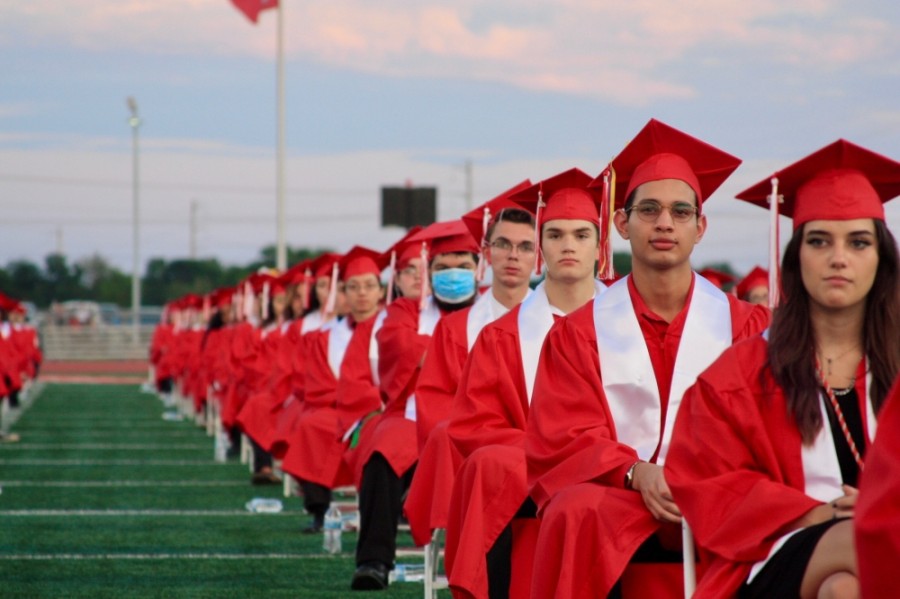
(659, 152)
(480, 219)
(442, 238)
(323, 265)
(221, 297)
(360, 261)
(842, 181)
(719, 278)
(758, 277)
(567, 195)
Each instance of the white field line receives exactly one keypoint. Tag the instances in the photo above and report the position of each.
(163, 556)
(120, 483)
(52, 462)
(130, 513)
(135, 446)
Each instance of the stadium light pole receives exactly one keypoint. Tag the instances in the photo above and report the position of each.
(135, 122)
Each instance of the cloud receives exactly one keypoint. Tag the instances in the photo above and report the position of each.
(627, 53)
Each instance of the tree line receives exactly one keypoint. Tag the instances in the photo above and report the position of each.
(94, 278)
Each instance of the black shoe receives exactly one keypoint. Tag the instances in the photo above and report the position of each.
(265, 477)
(370, 576)
(312, 529)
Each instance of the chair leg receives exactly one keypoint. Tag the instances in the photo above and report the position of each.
(690, 572)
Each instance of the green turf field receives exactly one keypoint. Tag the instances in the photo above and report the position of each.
(103, 498)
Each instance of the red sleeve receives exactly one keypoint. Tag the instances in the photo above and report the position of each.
(490, 407)
(357, 393)
(441, 371)
(877, 521)
(747, 319)
(571, 437)
(739, 483)
(400, 351)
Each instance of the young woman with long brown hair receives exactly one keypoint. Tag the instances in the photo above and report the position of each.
(770, 443)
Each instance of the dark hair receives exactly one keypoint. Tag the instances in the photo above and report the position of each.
(216, 322)
(509, 215)
(792, 344)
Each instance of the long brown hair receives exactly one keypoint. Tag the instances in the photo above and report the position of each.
(792, 343)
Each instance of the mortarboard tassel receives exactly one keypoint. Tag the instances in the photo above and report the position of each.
(265, 301)
(331, 303)
(774, 247)
(393, 273)
(537, 230)
(426, 291)
(482, 262)
(606, 270)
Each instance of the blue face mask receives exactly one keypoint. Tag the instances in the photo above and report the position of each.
(453, 285)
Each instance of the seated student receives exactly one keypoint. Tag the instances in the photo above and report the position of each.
(491, 407)
(506, 232)
(315, 444)
(769, 444)
(612, 374)
(754, 288)
(878, 511)
(387, 451)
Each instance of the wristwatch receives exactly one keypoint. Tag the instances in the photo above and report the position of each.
(629, 476)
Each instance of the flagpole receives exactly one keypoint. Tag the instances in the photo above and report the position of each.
(280, 249)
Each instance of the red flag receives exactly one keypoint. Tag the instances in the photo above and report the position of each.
(252, 8)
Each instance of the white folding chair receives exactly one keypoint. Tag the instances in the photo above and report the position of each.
(434, 581)
(690, 570)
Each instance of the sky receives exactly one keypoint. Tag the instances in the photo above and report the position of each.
(390, 92)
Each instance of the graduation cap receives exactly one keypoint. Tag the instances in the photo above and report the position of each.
(447, 237)
(480, 219)
(360, 261)
(758, 277)
(659, 152)
(842, 181)
(567, 195)
(221, 297)
(399, 255)
(719, 278)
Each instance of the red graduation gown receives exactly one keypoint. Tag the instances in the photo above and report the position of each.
(315, 446)
(245, 345)
(741, 482)
(877, 516)
(490, 409)
(576, 463)
(273, 386)
(400, 351)
(428, 500)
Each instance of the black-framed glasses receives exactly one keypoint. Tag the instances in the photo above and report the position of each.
(504, 245)
(649, 211)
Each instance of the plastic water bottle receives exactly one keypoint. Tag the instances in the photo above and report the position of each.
(332, 530)
(407, 573)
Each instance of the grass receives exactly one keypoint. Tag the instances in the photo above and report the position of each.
(93, 457)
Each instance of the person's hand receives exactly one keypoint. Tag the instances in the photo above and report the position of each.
(845, 505)
(649, 481)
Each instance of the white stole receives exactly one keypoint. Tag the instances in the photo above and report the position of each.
(534, 321)
(627, 372)
(485, 311)
(338, 339)
(428, 319)
(311, 322)
(373, 346)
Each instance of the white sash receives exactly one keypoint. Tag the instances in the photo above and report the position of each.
(627, 372)
(485, 311)
(373, 345)
(338, 339)
(428, 319)
(534, 321)
(311, 322)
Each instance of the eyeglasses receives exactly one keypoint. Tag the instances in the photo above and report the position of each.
(504, 246)
(649, 212)
(412, 270)
(357, 287)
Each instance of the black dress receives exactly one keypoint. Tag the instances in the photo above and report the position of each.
(783, 574)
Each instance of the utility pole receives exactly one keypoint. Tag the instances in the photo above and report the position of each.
(470, 185)
(59, 241)
(135, 122)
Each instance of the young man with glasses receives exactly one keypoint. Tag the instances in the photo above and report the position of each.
(490, 410)
(506, 234)
(611, 376)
